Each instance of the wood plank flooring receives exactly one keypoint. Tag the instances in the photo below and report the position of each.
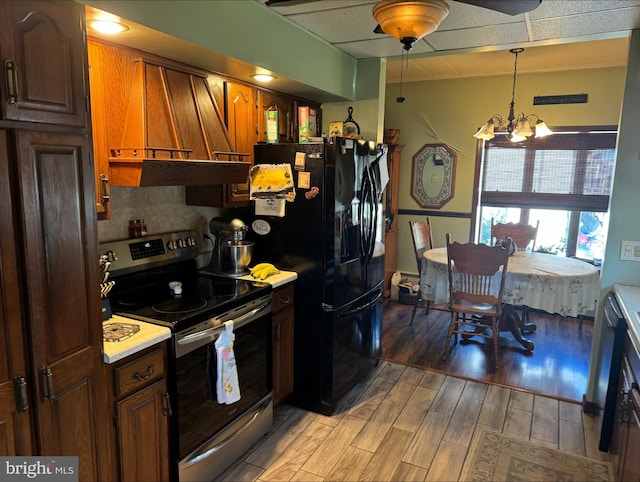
(557, 367)
(409, 424)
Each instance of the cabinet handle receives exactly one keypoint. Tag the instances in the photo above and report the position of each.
(11, 76)
(166, 404)
(142, 378)
(285, 299)
(46, 380)
(105, 189)
(20, 388)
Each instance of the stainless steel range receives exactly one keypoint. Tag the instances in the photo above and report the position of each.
(156, 280)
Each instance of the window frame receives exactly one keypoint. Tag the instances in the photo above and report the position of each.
(573, 203)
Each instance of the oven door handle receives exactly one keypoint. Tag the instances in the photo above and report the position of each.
(213, 331)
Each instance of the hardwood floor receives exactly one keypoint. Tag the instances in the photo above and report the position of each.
(409, 424)
(557, 367)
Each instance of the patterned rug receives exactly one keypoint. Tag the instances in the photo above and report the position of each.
(497, 457)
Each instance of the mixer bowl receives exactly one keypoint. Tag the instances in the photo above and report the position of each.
(235, 256)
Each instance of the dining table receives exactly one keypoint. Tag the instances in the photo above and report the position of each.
(568, 287)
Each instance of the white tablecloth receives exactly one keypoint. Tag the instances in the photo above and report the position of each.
(566, 286)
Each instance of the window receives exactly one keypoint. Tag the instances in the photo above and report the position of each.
(563, 181)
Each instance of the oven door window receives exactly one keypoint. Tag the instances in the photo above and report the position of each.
(200, 416)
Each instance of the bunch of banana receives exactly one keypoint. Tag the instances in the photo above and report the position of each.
(264, 270)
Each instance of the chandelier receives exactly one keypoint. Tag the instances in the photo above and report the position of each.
(518, 128)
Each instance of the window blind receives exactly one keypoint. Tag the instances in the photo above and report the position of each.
(570, 170)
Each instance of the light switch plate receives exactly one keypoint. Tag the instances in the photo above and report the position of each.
(630, 251)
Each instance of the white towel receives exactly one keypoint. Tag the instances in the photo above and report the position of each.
(227, 387)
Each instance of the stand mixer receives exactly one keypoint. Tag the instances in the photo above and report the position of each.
(232, 253)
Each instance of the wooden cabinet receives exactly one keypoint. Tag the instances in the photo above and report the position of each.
(42, 47)
(241, 119)
(391, 213)
(286, 108)
(58, 280)
(51, 381)
(141, 410)
(282, 343)
(626, 431)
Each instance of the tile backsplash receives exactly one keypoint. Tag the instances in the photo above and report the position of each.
(163, 209)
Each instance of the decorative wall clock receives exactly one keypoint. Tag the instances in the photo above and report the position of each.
(432, 180)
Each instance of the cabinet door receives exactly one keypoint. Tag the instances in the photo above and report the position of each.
(282, 355)
(99, 118)
(285, 106)
(144, 434)
(61, 269)
(631, 468)
(42, 46)
(241, 110)
(15, 420)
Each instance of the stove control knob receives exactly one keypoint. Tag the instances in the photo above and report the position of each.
(191, 241)
(181, 243)
(171, 245)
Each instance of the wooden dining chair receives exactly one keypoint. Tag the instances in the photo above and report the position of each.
(422, 241)
(475, 292)
(521, 234)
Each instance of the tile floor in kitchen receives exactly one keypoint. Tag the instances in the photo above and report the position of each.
(409, 424)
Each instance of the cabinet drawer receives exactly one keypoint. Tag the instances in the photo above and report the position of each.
(282, 298)
(140, 371)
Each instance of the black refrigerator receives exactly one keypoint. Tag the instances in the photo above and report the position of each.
(332, 235)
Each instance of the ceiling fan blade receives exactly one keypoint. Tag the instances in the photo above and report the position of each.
(510, 7)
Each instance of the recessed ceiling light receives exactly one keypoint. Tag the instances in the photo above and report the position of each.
(263, 77)
(108, 26)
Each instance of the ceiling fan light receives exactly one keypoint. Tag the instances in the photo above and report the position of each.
(542, 130)
(410, 19)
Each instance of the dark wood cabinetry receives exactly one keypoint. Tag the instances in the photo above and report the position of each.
(626, 431)
(282, 343)
(51, 381)
(43, 52)
(141, 409)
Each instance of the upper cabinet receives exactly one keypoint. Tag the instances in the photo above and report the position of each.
(33, 34)
(285, 106)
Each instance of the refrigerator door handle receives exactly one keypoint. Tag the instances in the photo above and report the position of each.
(332, 309)
(360, 308)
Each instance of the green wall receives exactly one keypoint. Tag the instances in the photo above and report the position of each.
(456, 109)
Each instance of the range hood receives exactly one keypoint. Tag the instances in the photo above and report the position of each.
(163, 126)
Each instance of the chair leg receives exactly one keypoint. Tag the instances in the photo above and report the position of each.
(426, 311)
(415, 307)
(452, 324)
(496, 336)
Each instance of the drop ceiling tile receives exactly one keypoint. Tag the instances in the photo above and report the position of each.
(505, 34)
(346, 25)
(555, 8)
(384, 46)
(462, 15)
(586, 24)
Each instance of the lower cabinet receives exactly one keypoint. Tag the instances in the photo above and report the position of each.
(626, 432)
(142, 409)
(282, 343)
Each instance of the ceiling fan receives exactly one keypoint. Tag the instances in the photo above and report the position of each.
(410, 20)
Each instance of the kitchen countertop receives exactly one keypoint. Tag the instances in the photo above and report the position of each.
(276, 280)
(629, 298)
(148, 335)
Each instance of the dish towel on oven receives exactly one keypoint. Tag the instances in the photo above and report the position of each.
(227, 387)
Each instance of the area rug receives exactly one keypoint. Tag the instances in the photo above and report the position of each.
(497, 457)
